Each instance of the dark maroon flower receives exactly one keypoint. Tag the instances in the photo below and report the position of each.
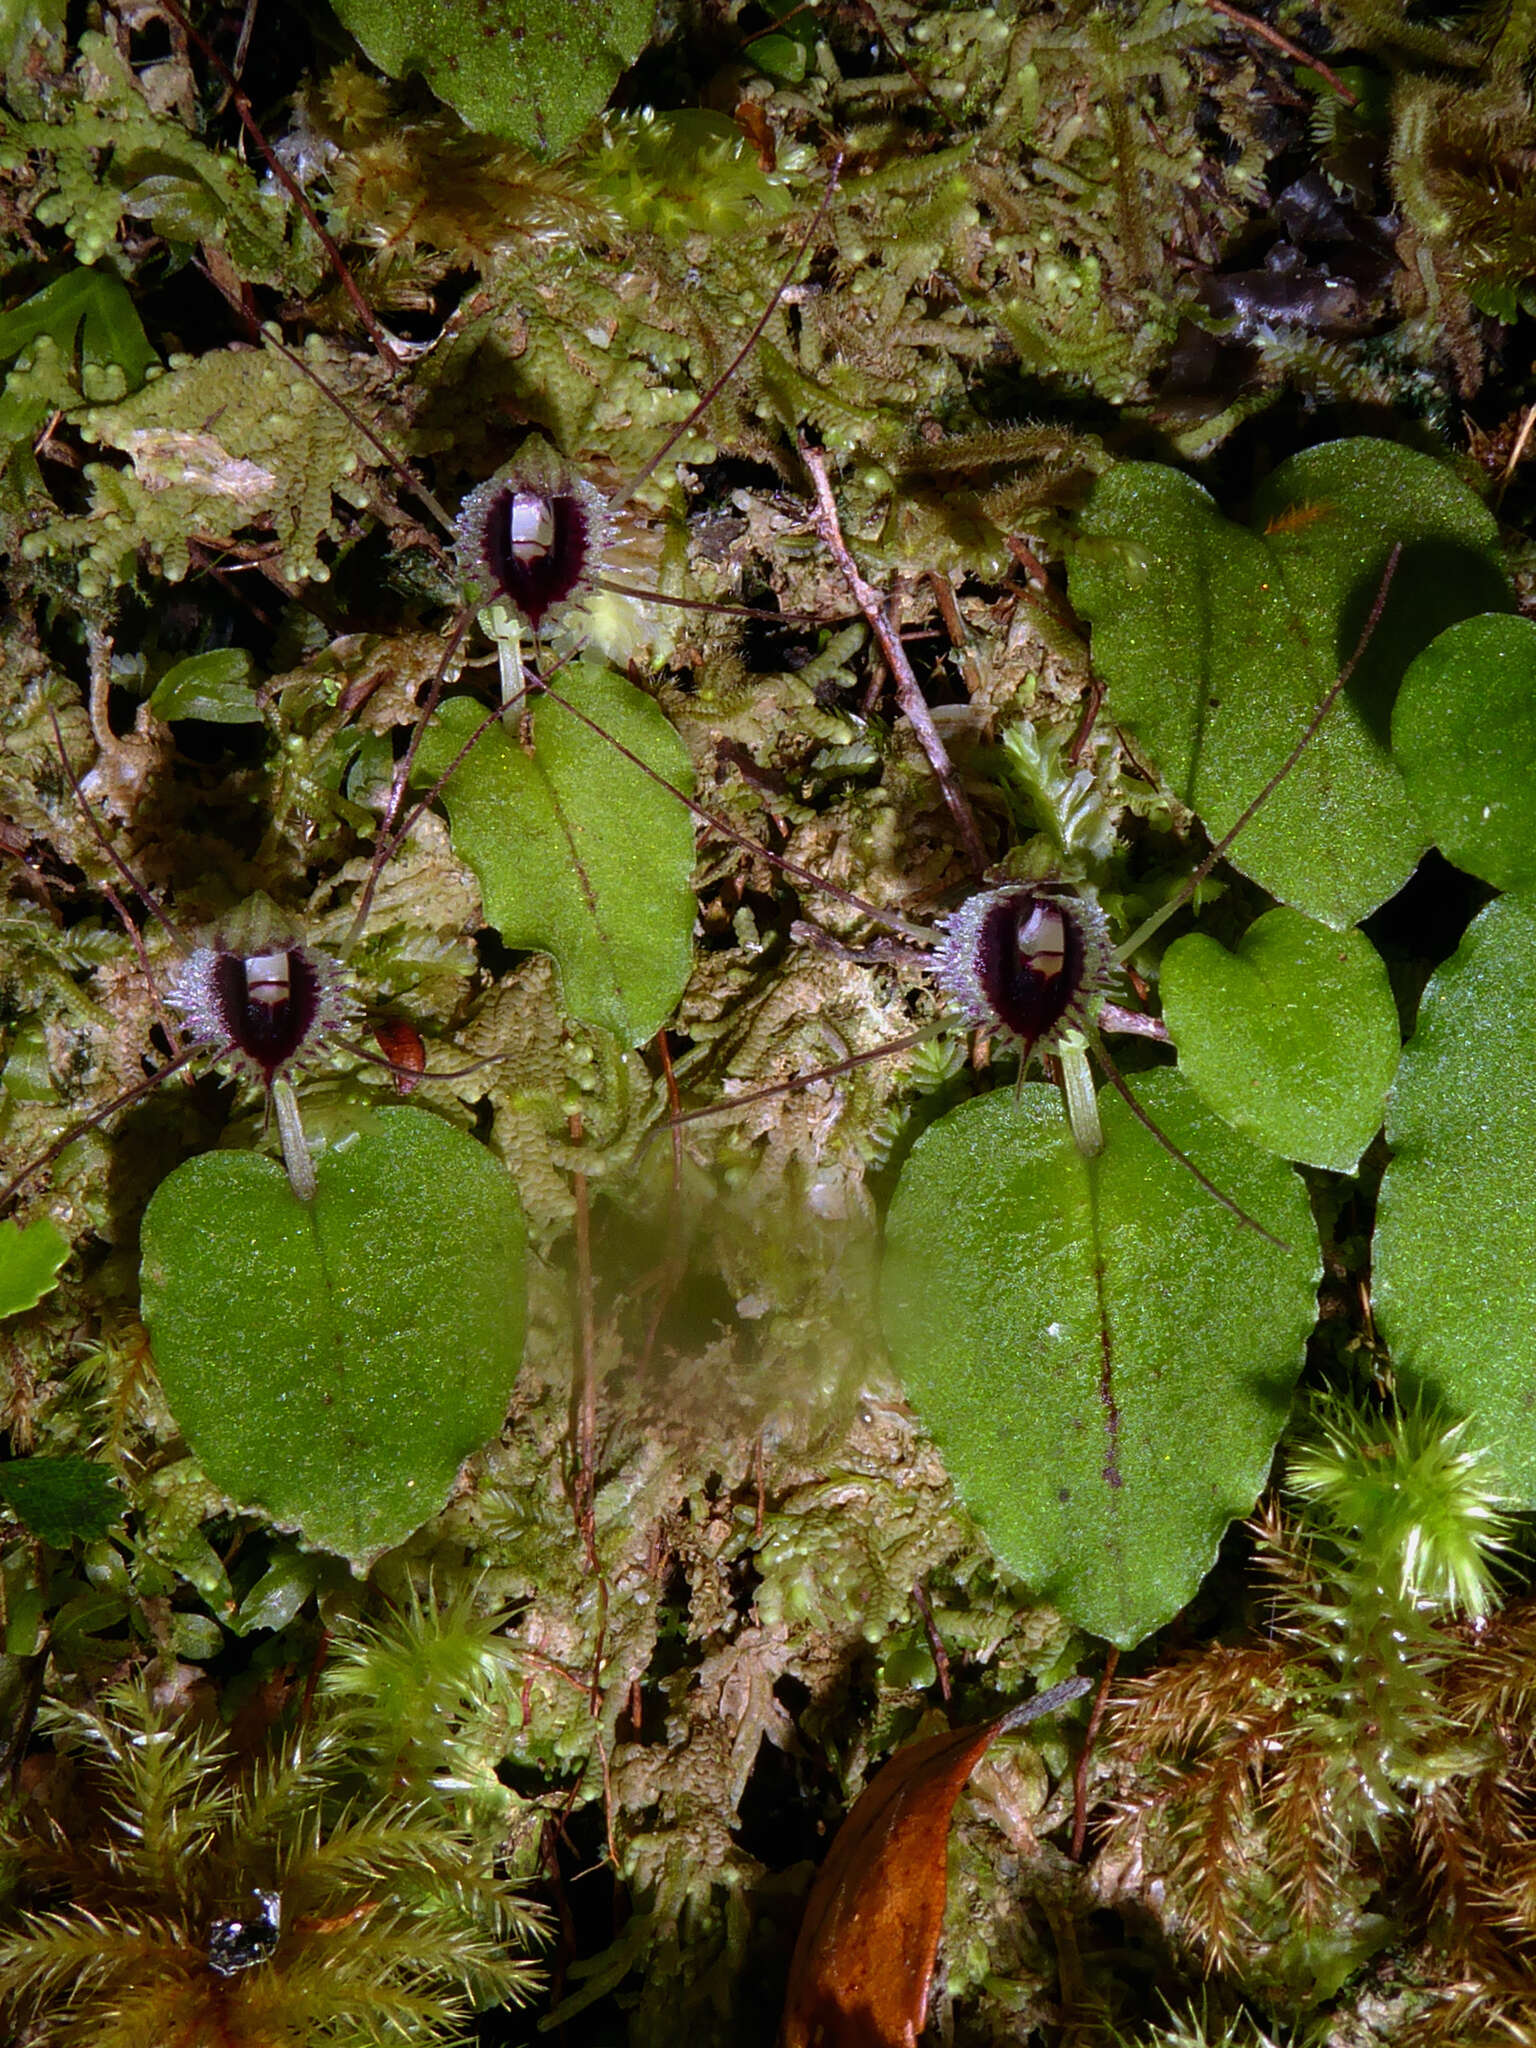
(265, 1012)
(534, 535)
(1031, 961)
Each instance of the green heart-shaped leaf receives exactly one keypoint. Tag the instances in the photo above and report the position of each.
(1464, 734)
(335, 1362)
(579, 853)
(1217, 642)
(1103, 1353)
(1293, 1038)
(1454, 1280)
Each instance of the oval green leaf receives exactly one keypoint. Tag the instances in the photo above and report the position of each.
(279, 1593)
(579, 853)
(1218, 642)
(1293, 1038)
(334, 1363)
(218, 687)
(1464, 734)
(1455, 1283)
(1104, 1355)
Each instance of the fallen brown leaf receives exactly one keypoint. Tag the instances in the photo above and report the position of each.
(864, 1961)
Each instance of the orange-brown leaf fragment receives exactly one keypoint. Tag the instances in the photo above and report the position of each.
(401, 1045)
(864, 1961)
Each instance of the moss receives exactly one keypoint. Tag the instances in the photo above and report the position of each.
(185, 1894)
(1002, 299)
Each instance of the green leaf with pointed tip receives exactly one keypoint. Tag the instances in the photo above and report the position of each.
(1293, 1038)
(536, 71)
(218, 687)
(1454, 1286)
(1464, 736)
(579, 853)
(1218, 642)
(1104, 1354)
(335, 1362)
(289, 1580)
(30, 1259)
(61, 1500)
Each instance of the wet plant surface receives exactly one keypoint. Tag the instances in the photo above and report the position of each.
(1126, 376)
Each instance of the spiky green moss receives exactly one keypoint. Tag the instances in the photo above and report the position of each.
(169, 1887)
(1341, 1782)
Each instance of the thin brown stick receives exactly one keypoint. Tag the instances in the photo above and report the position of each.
(290, 184)
(908, 695)
(144, 894)
(599, 1646)
(388, 836)
(98, 1117)
(1122, 1088)
(888, 918)
(243, 46)
(1049, 598)
(312, 1675)
(866, 8)
(668, 1276)
(878, 614)
(392, 461)
(1294, 51)
(685, 426)
(607, 1776)
(949, 611)
(584, 1419)
(28, 1697)
(168, 1023)
(704, 604)
(857, 1059)
(1080, 1775)
(416, 1075)
(1314, 723)
(1516, 454)
(675, 1104)
(935, 1641)
(1093, 697)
